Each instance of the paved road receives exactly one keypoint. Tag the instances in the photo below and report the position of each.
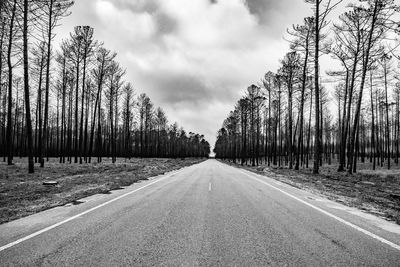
(208, 214)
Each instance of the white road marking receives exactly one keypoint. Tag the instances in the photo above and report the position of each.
(9, 245)
(381, 239)
(209, 186)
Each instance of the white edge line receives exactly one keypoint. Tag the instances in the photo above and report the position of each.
(9, 245)
(381, 239)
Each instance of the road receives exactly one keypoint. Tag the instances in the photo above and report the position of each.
(209, 214)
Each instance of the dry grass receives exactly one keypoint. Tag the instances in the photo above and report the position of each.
(22, 194)
(377, 192)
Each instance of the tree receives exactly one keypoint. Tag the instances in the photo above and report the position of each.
(302, 43)
(88, 47)
(350, 36)
(161, 122)
(268, 85)
(115, 75)
(378, 13)
(40, 61)
(26, 87)
(128, 116)
(54, 11)
(243, 107)
(385, 62)
(75, 56)
(320, 20)
(3, 35)
(104, 58)
(289, 74)
(11, 38)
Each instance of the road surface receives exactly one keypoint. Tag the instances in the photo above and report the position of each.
(209, 214)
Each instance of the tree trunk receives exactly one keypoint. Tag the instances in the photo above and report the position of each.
(363, 75)
(317, 154)
(301, 111)
(26, 89)
(81, 150)
(373, 149)
(46, 103)
(10, 84)
(387, 115)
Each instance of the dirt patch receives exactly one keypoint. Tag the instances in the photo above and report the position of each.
(376, 192)
(22, 194)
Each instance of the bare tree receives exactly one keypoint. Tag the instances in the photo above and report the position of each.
(40, 61)
(26, 88)
(320, 19)
(127, 114)
(378, 14)
(302, 42)
(88, 46)
(54, 11)
(104, 58)
(289, 74)
(11, 38)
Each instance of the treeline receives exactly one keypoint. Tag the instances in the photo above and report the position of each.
(289, 117)
(72, 101)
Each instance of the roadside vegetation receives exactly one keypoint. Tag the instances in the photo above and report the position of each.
(22, 194)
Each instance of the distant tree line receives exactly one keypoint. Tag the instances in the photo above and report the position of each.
(73, 102)
(287, 119)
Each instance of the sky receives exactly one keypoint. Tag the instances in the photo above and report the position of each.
(194, 58)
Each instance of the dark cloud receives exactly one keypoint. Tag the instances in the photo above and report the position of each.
(179, 89)
(263, 8)
(165, 24)
(137, 6)
(275, 16)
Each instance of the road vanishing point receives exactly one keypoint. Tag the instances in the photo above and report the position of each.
(208, 214)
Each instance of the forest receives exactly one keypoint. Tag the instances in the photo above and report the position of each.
(71, 100)
(295, 118)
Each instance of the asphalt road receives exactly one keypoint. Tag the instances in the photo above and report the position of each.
(209, 214)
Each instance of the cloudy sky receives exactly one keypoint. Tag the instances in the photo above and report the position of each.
(193, 58)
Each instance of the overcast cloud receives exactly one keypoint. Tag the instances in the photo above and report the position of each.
(193, 58)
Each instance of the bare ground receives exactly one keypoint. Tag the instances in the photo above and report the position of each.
(22, 194)
(376, 192)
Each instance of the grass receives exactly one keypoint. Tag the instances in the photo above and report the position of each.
(376, 192)
(22, 194)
